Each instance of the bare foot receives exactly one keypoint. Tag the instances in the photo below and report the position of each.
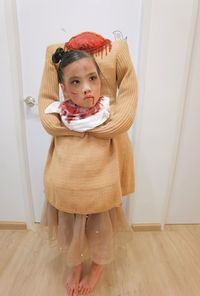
(89, 282)
(72, 281)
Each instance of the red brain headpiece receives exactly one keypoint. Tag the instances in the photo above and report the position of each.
(91, 42)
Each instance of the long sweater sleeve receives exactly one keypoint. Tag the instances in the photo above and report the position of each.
(48, 94)
(124, 109)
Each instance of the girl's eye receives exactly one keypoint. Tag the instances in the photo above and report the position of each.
(75, 82)
(93, 77)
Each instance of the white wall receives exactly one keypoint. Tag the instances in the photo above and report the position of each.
(184, 204)
(11, 193)
(163, 69)
(120, 18)
(15, 191)
(162, 93)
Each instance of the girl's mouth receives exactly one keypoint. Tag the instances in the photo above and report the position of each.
(90, 98)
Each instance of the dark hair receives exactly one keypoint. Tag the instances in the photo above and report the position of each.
(67, 57)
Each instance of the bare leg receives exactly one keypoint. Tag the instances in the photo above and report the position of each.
(72, 282)
(89, 282)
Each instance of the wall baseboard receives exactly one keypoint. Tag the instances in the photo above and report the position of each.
(22, 226)
(12, 225)
(146, 227)
(6, 225)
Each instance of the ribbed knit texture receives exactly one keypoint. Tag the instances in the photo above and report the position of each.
(89, 172)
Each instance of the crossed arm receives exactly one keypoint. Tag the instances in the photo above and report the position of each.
(122, 111)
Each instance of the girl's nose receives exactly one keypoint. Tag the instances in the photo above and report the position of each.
(86, 90)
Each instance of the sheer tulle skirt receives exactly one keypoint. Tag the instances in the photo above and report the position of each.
(82, 237)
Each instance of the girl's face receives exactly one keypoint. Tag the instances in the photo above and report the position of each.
(81, 83)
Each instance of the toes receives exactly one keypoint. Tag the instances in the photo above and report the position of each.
(75, 292)
(89, 290)
(68, 291)
(83, 287)
(83, 291)
(86, 291)
(80, 288)
(71, 291)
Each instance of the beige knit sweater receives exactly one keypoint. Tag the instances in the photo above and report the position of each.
(90, 172)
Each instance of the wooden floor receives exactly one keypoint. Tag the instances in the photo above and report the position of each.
(159, 263)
